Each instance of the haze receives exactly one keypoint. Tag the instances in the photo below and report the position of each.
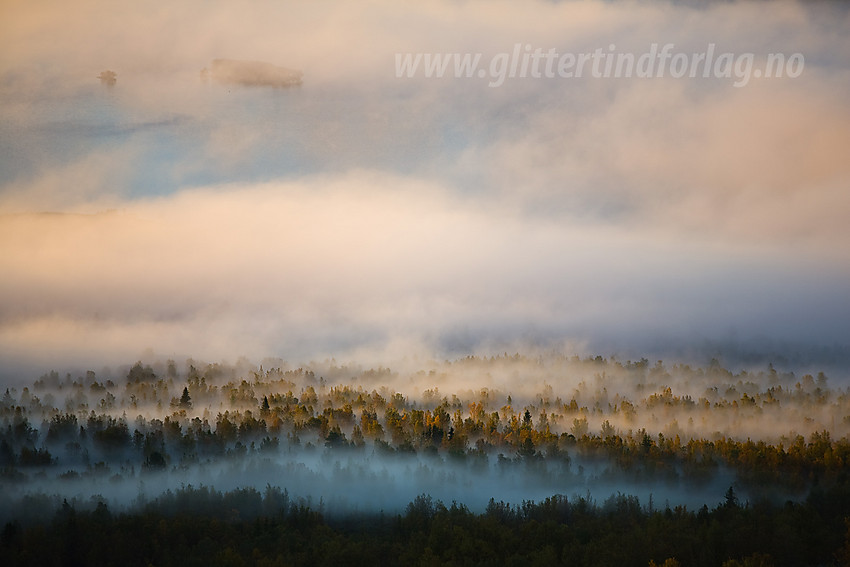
(368, 217)
(347, 439)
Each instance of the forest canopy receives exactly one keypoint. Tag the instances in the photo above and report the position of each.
(476, 444)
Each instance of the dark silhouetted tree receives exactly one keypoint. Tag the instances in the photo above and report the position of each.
(185, 399)
(731, 498)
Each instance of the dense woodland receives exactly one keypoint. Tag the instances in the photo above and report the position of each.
(247, 527)
(769, 449)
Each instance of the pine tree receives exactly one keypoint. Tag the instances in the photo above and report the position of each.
(731, 498)
(185, 399)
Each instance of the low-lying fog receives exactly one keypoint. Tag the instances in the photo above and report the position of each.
(366, 481)
(342, 438)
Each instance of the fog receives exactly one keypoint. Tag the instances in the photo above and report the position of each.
(339, 485)
(370, 218)
(339, 268)
(308, 220)
(346, 439)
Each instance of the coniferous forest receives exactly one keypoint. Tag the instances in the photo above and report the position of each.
(477, 461)
(448, 283)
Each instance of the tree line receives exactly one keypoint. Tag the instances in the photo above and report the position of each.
(638, 421)
(200, 526)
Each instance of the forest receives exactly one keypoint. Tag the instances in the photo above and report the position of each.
(476, 461)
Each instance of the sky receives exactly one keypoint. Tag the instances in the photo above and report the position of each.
(368, 216)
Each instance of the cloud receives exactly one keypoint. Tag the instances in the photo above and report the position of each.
(361, 210)
(332, 265)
